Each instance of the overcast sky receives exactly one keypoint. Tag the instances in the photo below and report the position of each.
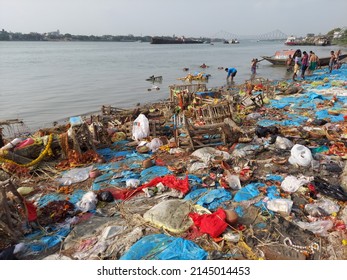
(207, 18)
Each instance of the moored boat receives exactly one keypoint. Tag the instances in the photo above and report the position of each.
(282, 56)
(175, 40)
(291, 41)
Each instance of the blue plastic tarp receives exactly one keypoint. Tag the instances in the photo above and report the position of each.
(248, 192)
(214, 198)
(74, 197)
(163, 247)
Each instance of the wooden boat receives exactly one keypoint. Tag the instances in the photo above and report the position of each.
(281, 60)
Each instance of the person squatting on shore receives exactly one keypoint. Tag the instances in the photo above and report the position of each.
(231, 73)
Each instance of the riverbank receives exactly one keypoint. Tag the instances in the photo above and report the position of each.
(249, 171)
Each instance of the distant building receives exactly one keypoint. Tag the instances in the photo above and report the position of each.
(54, 33)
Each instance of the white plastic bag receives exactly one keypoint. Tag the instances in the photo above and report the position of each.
(155, 144)
(318, 227)
(140, 127)
(280, 205)
(132, 183)
(88, 202)
(233, 180)
(300, 155)
(75, 175)
(283, 143)
(292, 184)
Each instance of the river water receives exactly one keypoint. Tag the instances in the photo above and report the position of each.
(43, 82)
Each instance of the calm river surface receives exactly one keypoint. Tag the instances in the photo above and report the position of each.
(42, 82)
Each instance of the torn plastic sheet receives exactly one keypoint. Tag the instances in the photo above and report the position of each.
(163, 247)
(74, 197)
(214, 198)
(248, 192)
(324, 114)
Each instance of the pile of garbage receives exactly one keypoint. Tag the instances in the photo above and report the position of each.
(121, 187)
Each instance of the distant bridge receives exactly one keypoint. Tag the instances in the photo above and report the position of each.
(269, 36)
(273, 35)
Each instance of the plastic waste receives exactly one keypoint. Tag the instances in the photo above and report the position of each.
(132, 183)
(300, 155)
(323, 207)
(282, 205)
(163, 247)
(155, 144)
(327, 189)
(171, 215)
(318, 227)
(292, 184)
(207, 154)
(88, 202)
(140, 128)
(283, 143)
(233, 181)
(231, 236)
(75, 175)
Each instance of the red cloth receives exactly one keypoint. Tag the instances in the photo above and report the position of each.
(169, 181)
(32, 213)
(213, 224)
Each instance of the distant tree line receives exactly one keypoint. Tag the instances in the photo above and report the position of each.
(53, 36)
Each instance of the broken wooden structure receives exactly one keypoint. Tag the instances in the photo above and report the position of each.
(209, 125)
(13, 212)
(185, 93)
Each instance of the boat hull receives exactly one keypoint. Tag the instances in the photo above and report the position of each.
(324, 61)
(175, 41)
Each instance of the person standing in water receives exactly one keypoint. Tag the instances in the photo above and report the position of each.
(254, 66)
